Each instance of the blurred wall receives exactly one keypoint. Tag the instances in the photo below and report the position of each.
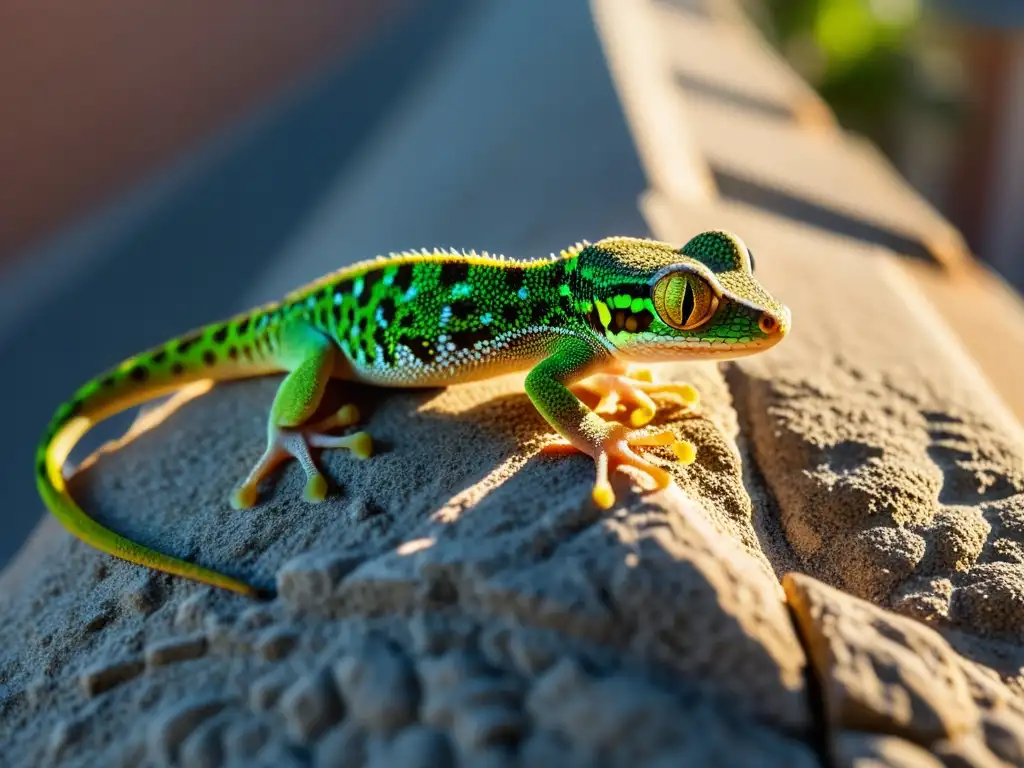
(97, 93)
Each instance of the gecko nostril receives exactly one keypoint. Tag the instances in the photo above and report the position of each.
(768, 323)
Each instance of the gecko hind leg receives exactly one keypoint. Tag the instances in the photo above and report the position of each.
(309, 356)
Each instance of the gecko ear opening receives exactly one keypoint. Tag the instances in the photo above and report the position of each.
(684, 300)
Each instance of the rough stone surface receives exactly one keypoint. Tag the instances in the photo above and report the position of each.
(456, 599)
(855, 749)
(882, 672)
(887, 674)
(311, 706)
(898, 475)
(379, 684)
(107, 674)
(175, 649)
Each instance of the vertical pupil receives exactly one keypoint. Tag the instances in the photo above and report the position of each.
(688, 302)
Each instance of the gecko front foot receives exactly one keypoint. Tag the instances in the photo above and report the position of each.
(615, 450)
(634, 389)
(284, 443)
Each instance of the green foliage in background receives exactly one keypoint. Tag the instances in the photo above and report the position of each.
(854, 52)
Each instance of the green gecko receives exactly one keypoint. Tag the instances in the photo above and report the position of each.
(575, 321)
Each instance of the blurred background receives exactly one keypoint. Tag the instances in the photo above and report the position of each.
(938, 85)
(165, 164)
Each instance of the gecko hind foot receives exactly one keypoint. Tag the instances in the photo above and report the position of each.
(616, 450)
(285, 443)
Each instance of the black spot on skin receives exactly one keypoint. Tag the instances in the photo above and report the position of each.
(138, 373)
(186, 342)
(538, 313)
(109, 381)
(407, 320)
(424, 350)
(567, 304)
(466, 339)
(370, 279)
(159, 357)
(514, 277)
(243, 326)
(510, 313)
(386, 309)
(233, 353)
(177, 369)
(209, 357)
(41, 468)
(403, 277)
(220, 335)
(378, 338)
(344, 288)
(247, 353)
(453, 272)
(336, 311)
(463, 308)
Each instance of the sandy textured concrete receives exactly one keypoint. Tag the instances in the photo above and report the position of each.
(457, 545)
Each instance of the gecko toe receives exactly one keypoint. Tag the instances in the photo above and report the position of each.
(641, 416)
(685, 451)
(244, 497)
(603, 495)
(316, 489)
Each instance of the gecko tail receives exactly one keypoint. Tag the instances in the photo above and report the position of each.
(138, 380)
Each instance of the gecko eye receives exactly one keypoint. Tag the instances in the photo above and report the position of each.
(767, 323)
(684, 300)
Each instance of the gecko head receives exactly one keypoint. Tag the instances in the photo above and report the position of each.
(653, 301)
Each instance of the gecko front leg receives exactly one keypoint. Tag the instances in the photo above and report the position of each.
(610, 444)
(309, 356)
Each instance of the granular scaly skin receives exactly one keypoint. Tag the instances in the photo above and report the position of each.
(575, 321)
